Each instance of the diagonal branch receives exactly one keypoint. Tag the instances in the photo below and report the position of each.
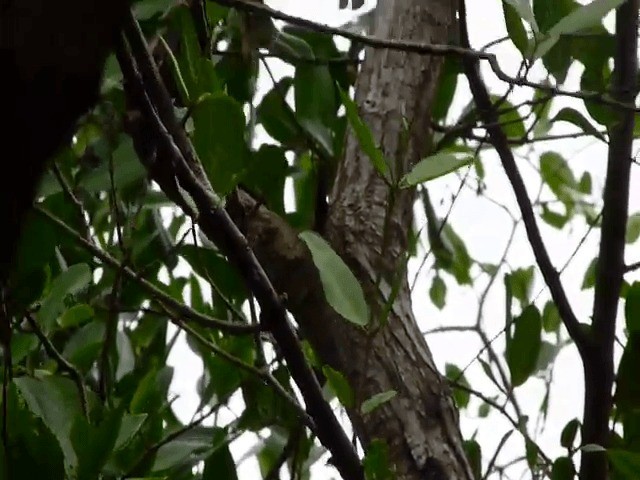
(464, 52)
(218, 226)
(500, 142)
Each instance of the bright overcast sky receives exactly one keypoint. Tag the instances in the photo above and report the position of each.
(485, 229)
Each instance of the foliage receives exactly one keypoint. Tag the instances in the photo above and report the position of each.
(90, 394)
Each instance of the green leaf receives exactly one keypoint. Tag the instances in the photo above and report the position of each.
(585, 183)
(376, 400)
(515, 29)
(364, 136)
(627, 394)
(521, 282)
(568, 435)
(339, 385)
(55, 400)
(22, 344)
(551, 320)
(584, 16)
(524, 346)
(219, 140)
(315, 101)
(546, 356)
(277, 117)
(461, 396)
(589, 280)
(446, 87)
(525, 12)
(633, 228)
(510, 120)
(632, 308)
(220, 464)
(438, 292)
(576, 118)
(376, 462)
(563, 469)
(473, 452)
(341, 287)
(70, 282)
(145, 9)
(129, 426)
(127, 169)
(76, 315)
(94, 444)
(84, 345)
(435, 166)
(625, 463)
(557, 174)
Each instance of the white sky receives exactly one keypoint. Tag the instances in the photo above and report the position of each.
(484, 228)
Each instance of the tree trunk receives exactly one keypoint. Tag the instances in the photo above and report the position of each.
(368, 226)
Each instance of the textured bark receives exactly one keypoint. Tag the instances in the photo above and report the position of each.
(369, 228)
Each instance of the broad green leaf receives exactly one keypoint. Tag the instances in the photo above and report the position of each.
(76, 315)
(569, 432)
(625, 463)
(277, 117)
(576, 118)
(85, 344)
(126, 355)
(315, 101)
(524, 10)
(364, 136)
(70, 282)
(589, 280)
(551, 317)
(219, 140)
(220, 464)
(370, 404)
(632, 308)
(339, 385)
(546, 356)
(55, 400)
(376, 462)
(557, 174)
(563, 469)
(21, 345)
(94, 444)
(185, 449)
(438, 292)
(446, 88)
(584, 16)
(461, 396)
(341, 287)
(524, 346)
(145, 9)
(584, 186)
(473, 452)
(127, 169)
(435, 166)
(633, 228)
(509, 118)
(627, 386)
(129, 426)
(515, 29)
(521, 281)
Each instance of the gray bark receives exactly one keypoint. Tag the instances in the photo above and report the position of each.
(368, 226)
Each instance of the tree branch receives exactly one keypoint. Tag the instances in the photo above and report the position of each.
(218, 226)
(499, 141)
(423, 48)
(599, 371)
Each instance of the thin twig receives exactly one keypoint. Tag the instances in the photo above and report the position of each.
(167, 301)
(62, 362)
